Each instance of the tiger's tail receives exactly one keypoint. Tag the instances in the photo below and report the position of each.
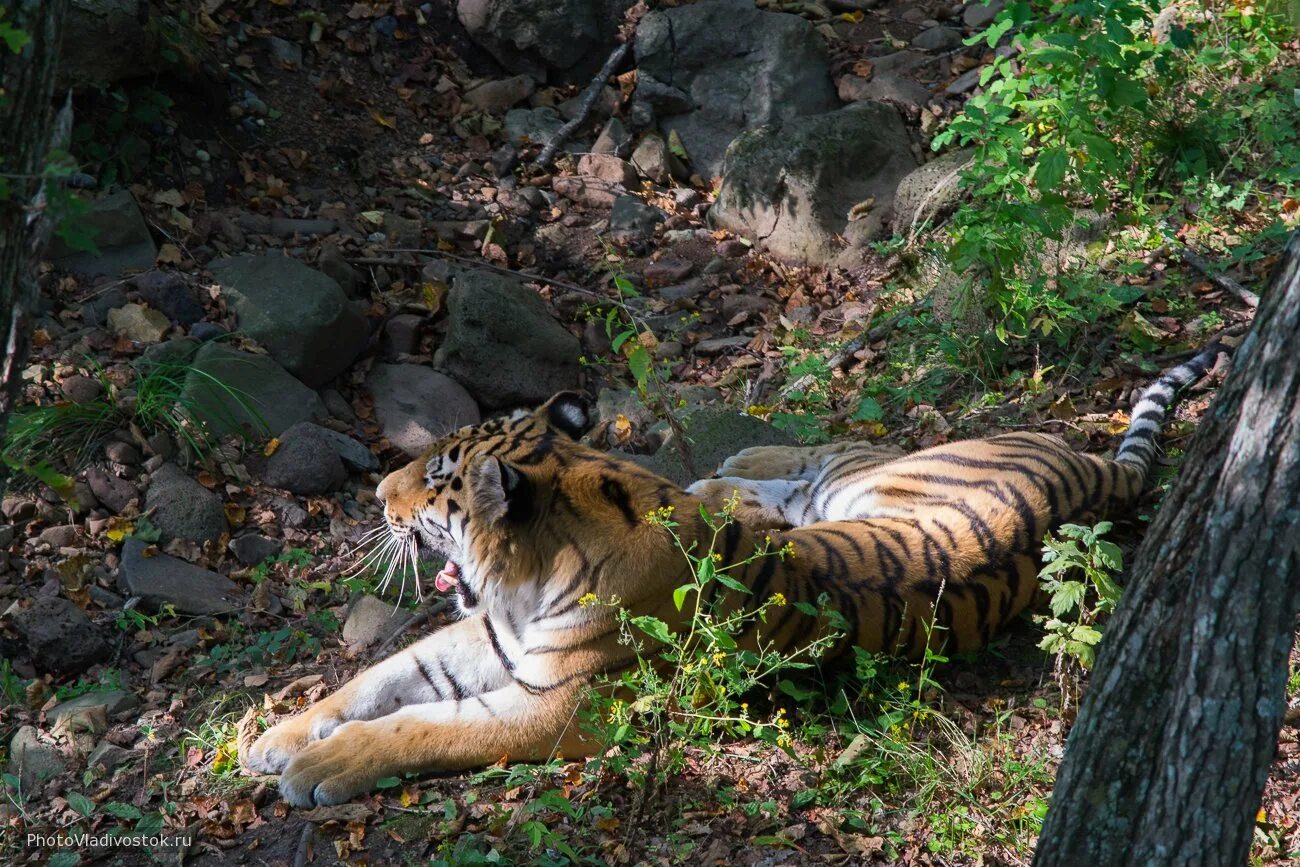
(1138, 448)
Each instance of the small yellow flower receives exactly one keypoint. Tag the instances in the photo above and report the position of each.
(902, 686)
(777, 599)
(717, 558)
(588, 600)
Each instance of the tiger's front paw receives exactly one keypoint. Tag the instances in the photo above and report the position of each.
(336, 769)
(280, 743)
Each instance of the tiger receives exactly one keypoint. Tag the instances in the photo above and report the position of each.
(533, 524)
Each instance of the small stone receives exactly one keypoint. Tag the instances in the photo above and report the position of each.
(305, 463)
(182, 508)
(370, 620)
(937, 39)
(533, 126)
(682, 291)
(497, 97)
(632, 219)
(286, 52)
(255, 548)
(60, 537)
(719, 345)
(114, 702)
(402, 335)
(170, 295)
(122, 453)
(686, 198)
(108, 757)
(114, 493)
(82, 389)
(138, 323)
(613, 139)
(609, 168)
(60, 637)
(651, 158)
(17, 508)
(205, 331)
(979, 14)
(161, 579)
(161, 444)
(666, 271)
(733, 248)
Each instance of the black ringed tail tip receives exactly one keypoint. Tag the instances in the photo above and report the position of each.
(1138, 448)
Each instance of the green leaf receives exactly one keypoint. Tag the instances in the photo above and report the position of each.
(638, 361)
(869, 409)
(387, 783)
(122, 811)
(13, 37)
(796, 692)
(81, 804)
(654, 627)
(1052, 165)
(679, 595)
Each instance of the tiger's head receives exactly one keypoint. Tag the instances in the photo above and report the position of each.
(479, 496)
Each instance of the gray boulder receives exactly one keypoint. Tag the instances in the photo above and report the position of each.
(415, 405)
(536, 36)
(937, 39)
(714, 433)
(740, 66)
(32, 760)
(111, 491)
(105, 41)
(238, 392)
(369, 620)
(632, 219)
(159, 579)
(929, 191)
(502, 343)
(791, 186)
(60, 637)
(300, 315)
(121, 239)
(182, 508)
(305, 463)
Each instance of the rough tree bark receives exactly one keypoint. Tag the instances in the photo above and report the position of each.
(1168, 759)
(26, 96)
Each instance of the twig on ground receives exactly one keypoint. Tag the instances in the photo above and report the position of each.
(300, 856)
(842, 358)
(1199, 263)
(426, 609)
(589, 97)
(473, 263)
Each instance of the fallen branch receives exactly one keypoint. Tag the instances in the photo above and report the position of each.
(842, 358)
(1199, 263)
(473, 263)
(589, 97)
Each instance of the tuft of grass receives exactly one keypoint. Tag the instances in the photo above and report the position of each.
(44, 442)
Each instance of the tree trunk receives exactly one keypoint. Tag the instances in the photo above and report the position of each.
(26, 92)
(1168, 758)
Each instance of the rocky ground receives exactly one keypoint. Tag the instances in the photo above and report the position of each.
(336, 242)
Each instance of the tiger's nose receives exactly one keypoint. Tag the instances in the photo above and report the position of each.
(381, 492)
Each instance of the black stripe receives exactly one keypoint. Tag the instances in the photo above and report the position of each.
(425, 673)
(496, 645)
(457, 691)
(613, 490)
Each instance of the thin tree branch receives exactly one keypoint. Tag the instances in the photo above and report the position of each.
(589, 97)
(473, 263)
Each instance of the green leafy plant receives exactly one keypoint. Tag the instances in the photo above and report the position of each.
(1108, 106)
(1077, 575)
(701, 695)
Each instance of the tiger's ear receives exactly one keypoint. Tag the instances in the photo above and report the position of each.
(499, 491)
(569, 412)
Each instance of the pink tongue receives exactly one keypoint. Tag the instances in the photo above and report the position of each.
(447, 578)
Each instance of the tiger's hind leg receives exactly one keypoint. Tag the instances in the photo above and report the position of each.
(802, 462)
(767, 504)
